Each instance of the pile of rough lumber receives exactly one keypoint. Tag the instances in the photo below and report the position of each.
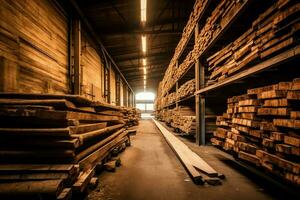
(131, 116)
(215, 23)
(187, 89)
(262, 127)
(171, 98)
(271, 33)
(189, 27)
(184, 120)
(50, 144)
(172, 74)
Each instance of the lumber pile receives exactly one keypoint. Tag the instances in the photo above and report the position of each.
(131, 116)
(271, 33)
(184, 120)
(200, 171)
(187, 89)
(171, 98)
(171, 74)
(50, 144)
(262, 127)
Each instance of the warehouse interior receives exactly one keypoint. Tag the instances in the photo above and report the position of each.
(140, 99)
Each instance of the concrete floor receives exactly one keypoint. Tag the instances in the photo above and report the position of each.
(150, 170)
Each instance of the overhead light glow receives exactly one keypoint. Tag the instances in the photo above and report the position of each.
(144, 44)
(145, 77)
(144, 82)
(144, 62)
(143, 10)
(145, 70)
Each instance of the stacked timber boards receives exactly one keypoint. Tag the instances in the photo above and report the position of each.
(262, 127)
(50, 144)
(271, 33)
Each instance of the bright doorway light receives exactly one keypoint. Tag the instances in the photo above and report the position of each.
(145, 96)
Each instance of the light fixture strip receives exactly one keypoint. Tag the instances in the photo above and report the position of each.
(143, 10)
(145, 70)
(144, 62)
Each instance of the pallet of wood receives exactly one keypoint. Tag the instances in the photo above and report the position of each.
(49, 143)
(262, 127)
(272, 32)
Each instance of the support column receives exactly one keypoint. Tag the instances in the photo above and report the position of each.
(199, 100)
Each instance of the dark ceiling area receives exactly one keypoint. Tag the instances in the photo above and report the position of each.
(117, 24)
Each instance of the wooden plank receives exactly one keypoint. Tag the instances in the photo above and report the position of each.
(292, 141)
(83, 128)
(85, 137)
(75, 99)
(37, 168)
(66, 194)
(28, 188)
(83, 180)
(187, 156)
(57, 103)
(57, 115)
(96, 146)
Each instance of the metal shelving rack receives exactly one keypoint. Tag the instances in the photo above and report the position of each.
(202, 91)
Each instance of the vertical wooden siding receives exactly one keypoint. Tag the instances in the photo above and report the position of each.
(92, 69)
(113, 87)
(33, 47)
(121, 93)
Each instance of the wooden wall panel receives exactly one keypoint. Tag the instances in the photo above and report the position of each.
(92, 69)
(121, 93)
(33, 42)
(125, 94)
(113, 87)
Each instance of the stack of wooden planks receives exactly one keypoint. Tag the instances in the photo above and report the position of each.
(271, 33)
(172, 74)
(171, 98)
(184, 120)
(187, 89)
(262, 127)
(50, 144)
(131, 116)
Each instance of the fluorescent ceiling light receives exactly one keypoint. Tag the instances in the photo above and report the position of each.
(144, 62)
(144, 44)
(145, 77)
(144, 82)
(143, 10)
(145, 70)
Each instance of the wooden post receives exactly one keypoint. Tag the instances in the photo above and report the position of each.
(77, 55)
